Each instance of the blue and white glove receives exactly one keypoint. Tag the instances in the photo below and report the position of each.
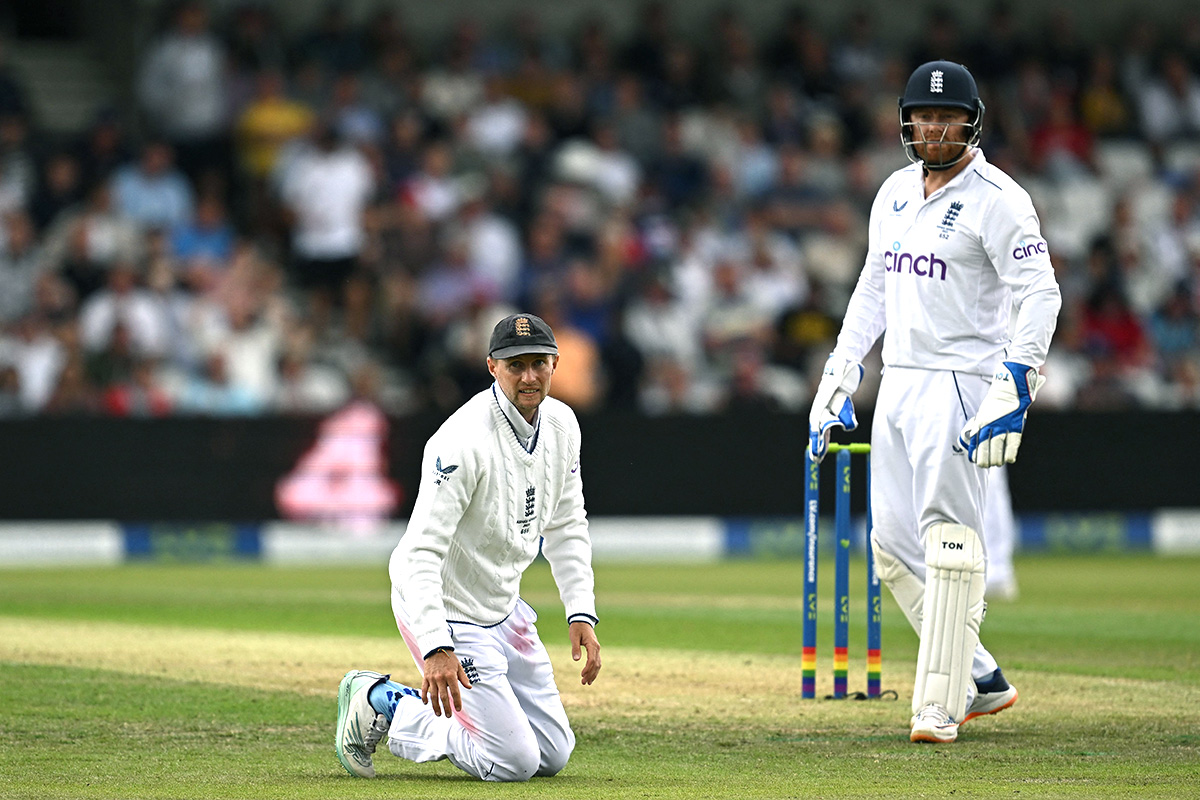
(993, 436)
(831, 406)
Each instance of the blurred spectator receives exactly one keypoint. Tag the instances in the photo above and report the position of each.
(402, 150)
(1111, 331)
(661, 327)
(1104, 108)
(795, 204)
(1172, 253)
(182, 89)
(740, 78)
(1061, 146)
(493, 242)
(102, 148)
(74, 392)
(20, 267)
(646, 54)
(637, 123)
(755, 164)
(679, 175)
(454, 283)
(253, 39)
(451, 87)
(335, 46)
(326, 188)
(732, 321)
(356, 122)
(940, 38)
(748, 390)
(18, 172)
(306, 387)
(804, 335)
(495, 126)
(578, 378)
(60, 188)
(615, 173)
(137, 395)
(998, 45)
(151, 192)
(858, 54)
(214, 393)
(124, 307)
(270, 121)
(38, 358)
(85, 241)
(432, 190)
(14, 100)
(207, 240)
(250, 350)
(1175, 334)
(1062, 49)
(773, 275)
(1170, 102)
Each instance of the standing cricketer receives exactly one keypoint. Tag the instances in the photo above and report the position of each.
(500, 476)
(954, 243)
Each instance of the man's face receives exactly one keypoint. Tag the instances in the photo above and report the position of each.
(939, 134)
(524, 379)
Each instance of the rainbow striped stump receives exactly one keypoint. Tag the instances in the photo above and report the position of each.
(808, 664)
(874, 672)
(808, 672)
(841, 665)
(841, 576)
(874, 612)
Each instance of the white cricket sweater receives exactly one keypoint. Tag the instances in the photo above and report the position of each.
(483, 507)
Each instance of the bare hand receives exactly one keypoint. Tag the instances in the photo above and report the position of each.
(439, 687)
(583, 638)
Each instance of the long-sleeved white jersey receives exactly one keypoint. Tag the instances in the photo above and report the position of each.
(942, 274)
(483, 506)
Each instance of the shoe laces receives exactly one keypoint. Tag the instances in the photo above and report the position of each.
(934, 713)
(375, 731)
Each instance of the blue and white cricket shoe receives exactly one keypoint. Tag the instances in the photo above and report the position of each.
(359, 726)
(991, 696)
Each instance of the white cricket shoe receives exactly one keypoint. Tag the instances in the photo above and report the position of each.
(991, 697)
(359, 726)
(933, 724)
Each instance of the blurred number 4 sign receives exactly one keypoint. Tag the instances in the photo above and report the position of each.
(343, 479)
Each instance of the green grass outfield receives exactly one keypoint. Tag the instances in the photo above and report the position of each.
(219, 682)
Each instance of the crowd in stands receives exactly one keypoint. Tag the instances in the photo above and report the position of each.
(289, 221)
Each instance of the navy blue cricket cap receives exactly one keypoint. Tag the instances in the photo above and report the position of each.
(520, 334)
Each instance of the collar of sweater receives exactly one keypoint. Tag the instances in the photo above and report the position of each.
(526, 432)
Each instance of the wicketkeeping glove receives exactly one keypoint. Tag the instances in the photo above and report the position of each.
(992, 437)
(832, 404)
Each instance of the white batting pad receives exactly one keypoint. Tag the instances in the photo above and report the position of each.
(907, 589)
(954, 608)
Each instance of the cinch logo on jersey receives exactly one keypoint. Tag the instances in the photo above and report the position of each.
(929, 266)
(1027, 249)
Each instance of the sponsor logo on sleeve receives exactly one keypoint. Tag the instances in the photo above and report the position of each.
(1025, 249)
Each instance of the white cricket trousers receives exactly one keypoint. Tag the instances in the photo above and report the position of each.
(917, 478)
(512, 725)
